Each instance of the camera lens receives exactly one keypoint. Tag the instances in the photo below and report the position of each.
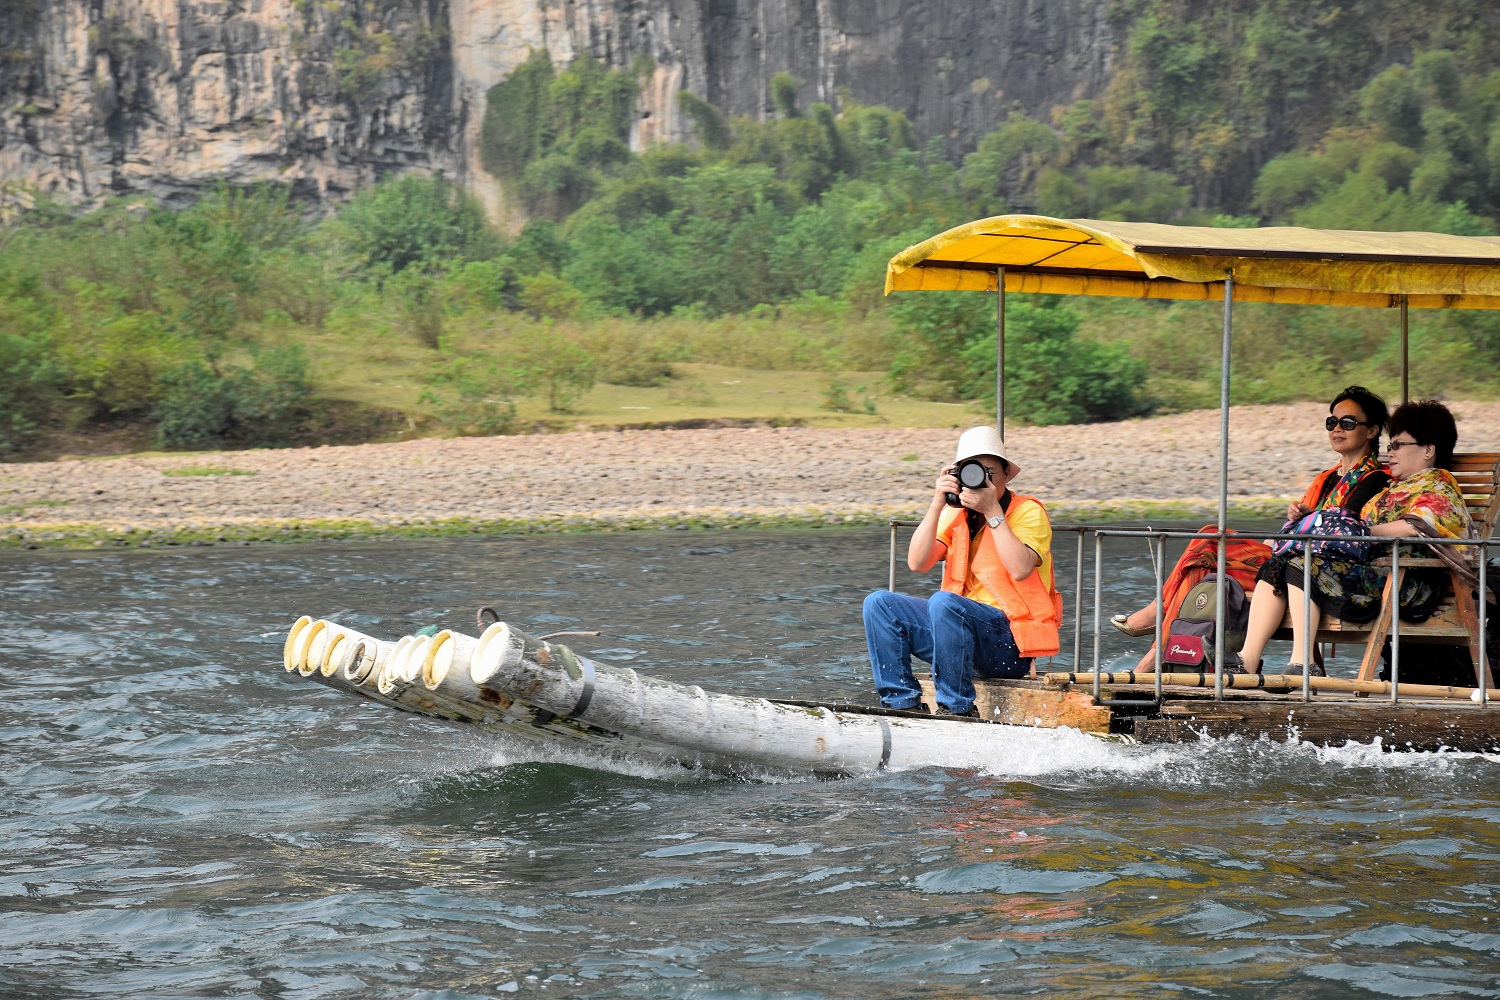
(972, 475)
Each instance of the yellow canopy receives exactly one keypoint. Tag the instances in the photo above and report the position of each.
(1155, 261)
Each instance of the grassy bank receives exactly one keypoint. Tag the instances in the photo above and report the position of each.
(91, 535)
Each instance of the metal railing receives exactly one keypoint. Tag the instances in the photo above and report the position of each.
(1158, 537)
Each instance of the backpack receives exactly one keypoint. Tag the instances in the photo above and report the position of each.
(1353, 545)
(1190, 639)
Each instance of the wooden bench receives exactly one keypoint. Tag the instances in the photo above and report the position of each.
(1456, 622)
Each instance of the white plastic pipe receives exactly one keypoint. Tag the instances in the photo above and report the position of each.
(360, 665)
(315, 648)
(400, 681)
(291, 651)
(446, 671)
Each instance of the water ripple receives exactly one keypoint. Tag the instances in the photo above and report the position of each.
(181, 818)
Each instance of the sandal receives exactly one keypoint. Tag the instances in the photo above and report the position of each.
(1122, 622)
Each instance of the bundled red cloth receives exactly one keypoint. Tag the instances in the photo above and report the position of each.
(1242, 560)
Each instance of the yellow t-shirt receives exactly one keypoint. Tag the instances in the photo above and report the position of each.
(1031, 526)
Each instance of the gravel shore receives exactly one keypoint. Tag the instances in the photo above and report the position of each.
(634, 479)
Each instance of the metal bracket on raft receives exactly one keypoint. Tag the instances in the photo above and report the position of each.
(494, 618)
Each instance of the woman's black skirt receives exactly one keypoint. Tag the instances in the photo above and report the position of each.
(1350, 591)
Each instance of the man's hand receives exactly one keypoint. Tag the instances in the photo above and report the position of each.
(1296, 509)
(946, 483)
(985, 499)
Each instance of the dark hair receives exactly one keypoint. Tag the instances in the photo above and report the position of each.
(1428, 422)
(1372, 405)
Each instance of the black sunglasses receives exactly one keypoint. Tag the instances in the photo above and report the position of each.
(1345, 423)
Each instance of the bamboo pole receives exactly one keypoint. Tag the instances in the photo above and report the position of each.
(685, 722)
(1262, 682)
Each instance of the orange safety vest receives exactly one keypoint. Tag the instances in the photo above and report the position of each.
(1033, 606)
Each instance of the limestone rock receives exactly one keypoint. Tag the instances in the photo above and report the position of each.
(167, 97)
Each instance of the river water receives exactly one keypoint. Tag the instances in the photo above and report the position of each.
(182, 819)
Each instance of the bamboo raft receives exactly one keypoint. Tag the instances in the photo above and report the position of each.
(504, 681)
(507, 682)
(1339, 711)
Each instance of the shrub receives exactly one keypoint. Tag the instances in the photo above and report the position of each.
(204, 406)
(628, 355)
(116, 360)
(938, 327)
(418, 300)
(474, 394)
(1052, 376)
(840, 397)
(546, 296)
(297, 284)
(29, 379)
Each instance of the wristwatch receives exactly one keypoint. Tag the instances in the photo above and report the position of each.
(995, 521)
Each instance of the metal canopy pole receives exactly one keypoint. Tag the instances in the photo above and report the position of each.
(1219, 585)
(1404, 367)
(1000, 352)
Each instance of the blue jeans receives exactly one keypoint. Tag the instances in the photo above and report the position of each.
(961, 638)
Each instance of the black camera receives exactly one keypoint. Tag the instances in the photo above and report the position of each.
(970, 474)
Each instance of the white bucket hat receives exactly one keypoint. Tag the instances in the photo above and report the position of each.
(984, 441)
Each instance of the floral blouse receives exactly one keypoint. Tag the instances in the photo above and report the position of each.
(1433, 495)
(1352, 490)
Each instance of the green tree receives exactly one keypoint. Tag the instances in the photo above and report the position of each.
(517, 126)
(560, 367)
(784, 89)
(1127, 194)
(1005, 166)
(559, 133)
(639, 270)
(1053, 376)
(708, 123)
(936, 328)
(414, 220)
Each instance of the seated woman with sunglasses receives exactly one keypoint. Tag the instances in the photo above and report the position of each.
(1356, 416)
(1355, 419)
(1424, 499)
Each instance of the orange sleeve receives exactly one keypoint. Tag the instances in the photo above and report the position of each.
(1310, 498)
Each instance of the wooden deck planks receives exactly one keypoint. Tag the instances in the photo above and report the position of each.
(1187, 714)
(1408, 726)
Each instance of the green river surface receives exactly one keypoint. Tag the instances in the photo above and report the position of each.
(181, 818)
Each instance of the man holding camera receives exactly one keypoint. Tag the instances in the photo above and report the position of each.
(998, 608)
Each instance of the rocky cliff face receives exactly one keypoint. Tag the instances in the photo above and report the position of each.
(165, 97)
